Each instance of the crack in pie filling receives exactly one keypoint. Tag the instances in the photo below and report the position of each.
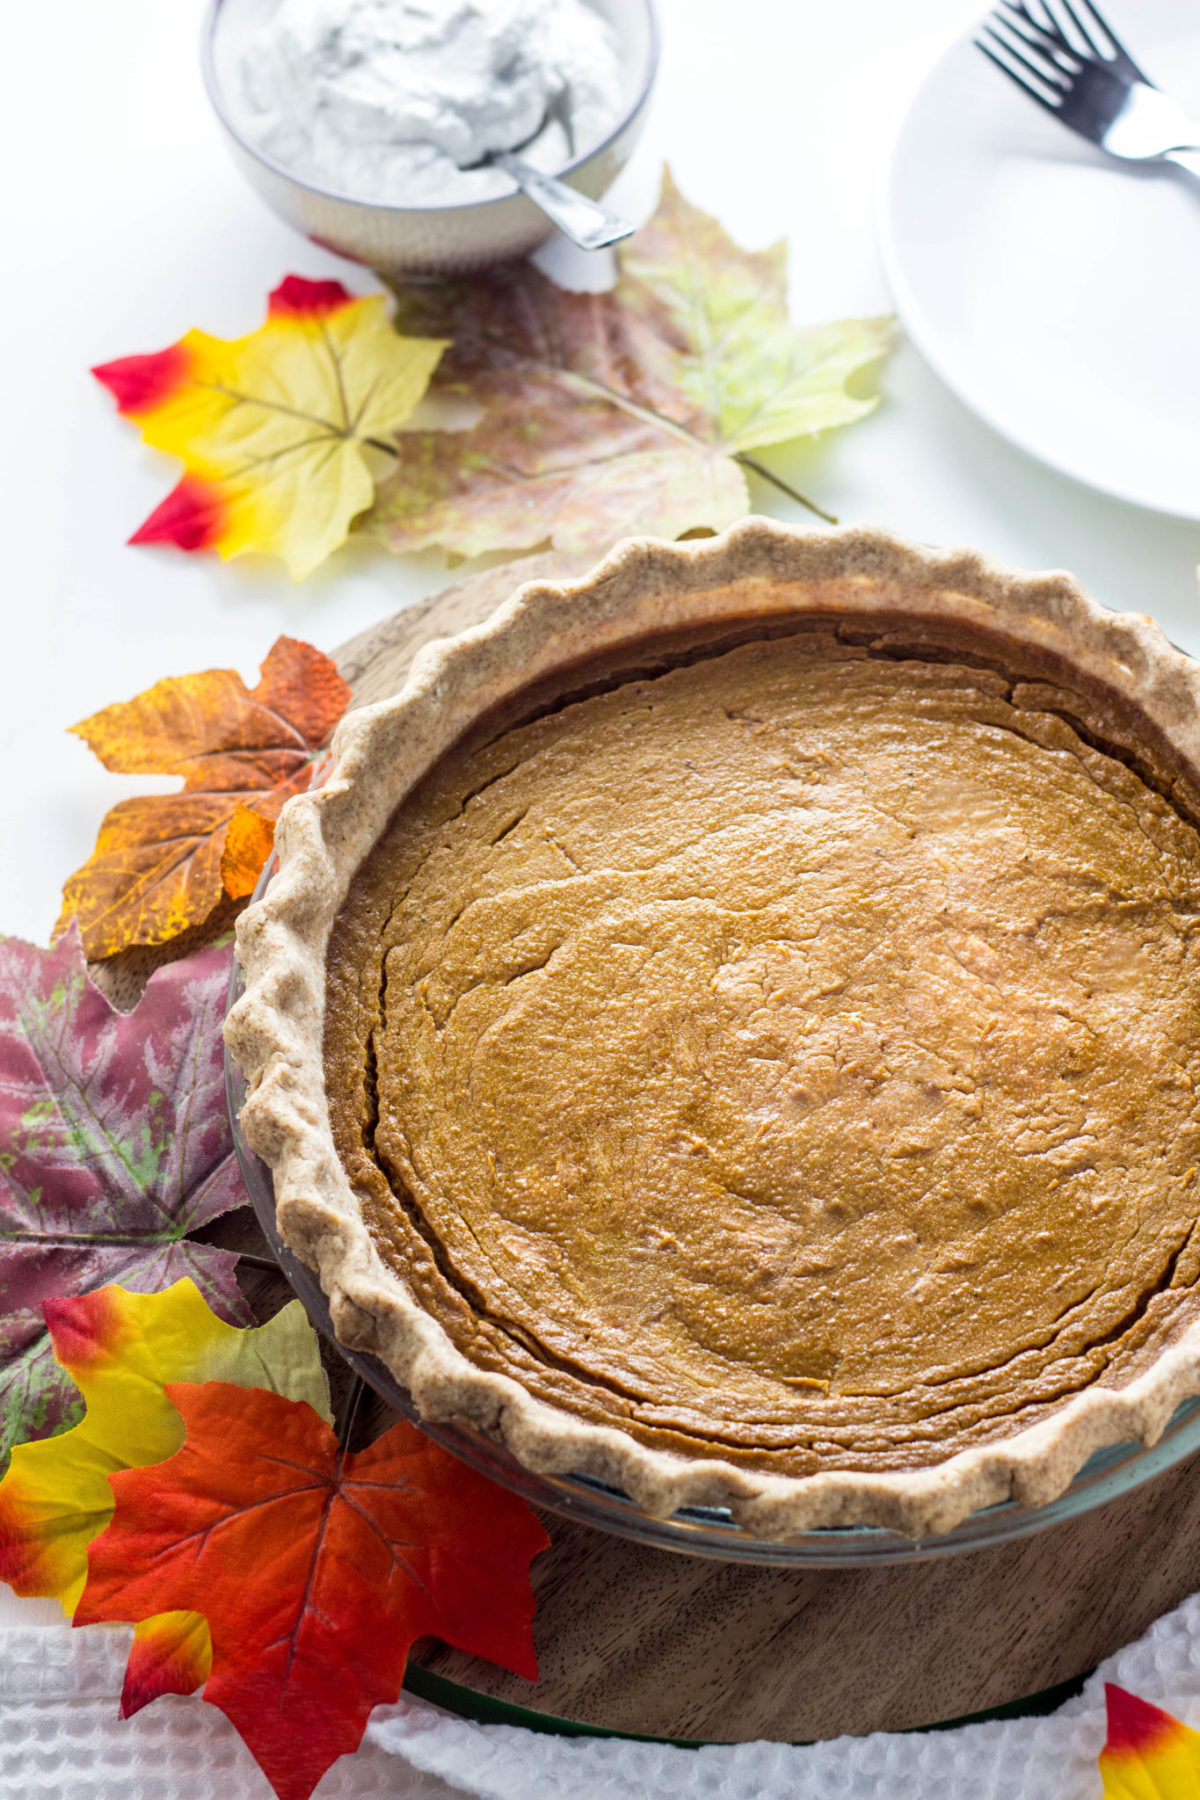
(787, 1055)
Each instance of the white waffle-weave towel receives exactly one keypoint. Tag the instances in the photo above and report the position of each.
(60, 1739)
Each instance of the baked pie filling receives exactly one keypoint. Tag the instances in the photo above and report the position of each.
(789, 1055)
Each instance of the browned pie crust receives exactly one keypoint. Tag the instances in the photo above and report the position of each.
(761, 1049)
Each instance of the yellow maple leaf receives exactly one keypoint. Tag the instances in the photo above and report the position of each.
(123, 1350)
(1149, 1755)
(274, 429)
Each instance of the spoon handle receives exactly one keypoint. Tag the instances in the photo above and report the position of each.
(577, 217)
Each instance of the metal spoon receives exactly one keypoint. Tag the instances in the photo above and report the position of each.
(584, 221)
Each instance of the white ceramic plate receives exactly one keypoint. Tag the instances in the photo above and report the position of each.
(1055, 291)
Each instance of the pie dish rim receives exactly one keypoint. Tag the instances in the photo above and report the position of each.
(275, 1031)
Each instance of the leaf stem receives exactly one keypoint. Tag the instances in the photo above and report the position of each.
(349, 1412)
(752, 462)
(379, 444)
(258, 1262)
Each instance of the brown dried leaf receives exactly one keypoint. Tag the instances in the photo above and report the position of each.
(163, 862)
(615, 414)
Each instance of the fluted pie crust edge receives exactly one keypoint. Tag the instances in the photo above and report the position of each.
(275, 1032)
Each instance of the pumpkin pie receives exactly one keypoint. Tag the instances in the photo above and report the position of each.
(731, 1026)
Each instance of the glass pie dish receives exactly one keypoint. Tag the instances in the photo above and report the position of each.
(708, 1531)
(555, 1216)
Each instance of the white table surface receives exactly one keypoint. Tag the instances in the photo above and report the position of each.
(122, 223)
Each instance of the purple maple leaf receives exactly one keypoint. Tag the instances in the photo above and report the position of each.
(114, 1146)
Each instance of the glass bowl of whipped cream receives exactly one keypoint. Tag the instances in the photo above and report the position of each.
(368, 124)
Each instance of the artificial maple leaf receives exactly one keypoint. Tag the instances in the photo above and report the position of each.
(316, 1569)
(606, 415)
(122, 1350)
(249, 840)
(170, 1654)
(273, 429)
(116, 1147)
(163, 862)
(1148, 1754)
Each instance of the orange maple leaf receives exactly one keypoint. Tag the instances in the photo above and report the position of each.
(316, 1569)
(162, 862)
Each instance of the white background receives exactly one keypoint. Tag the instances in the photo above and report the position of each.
(124, 223)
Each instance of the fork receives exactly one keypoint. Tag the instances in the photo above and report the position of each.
(1078, 69)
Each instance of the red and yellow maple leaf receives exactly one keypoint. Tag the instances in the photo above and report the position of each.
(170, 1654)
(1149, 1755)
(315, 1568)
(163, 862)
(122, 1349)
(275, 430)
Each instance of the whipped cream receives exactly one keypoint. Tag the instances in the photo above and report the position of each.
(392, 100)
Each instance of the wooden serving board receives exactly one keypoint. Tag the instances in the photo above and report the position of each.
(665, 1645)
